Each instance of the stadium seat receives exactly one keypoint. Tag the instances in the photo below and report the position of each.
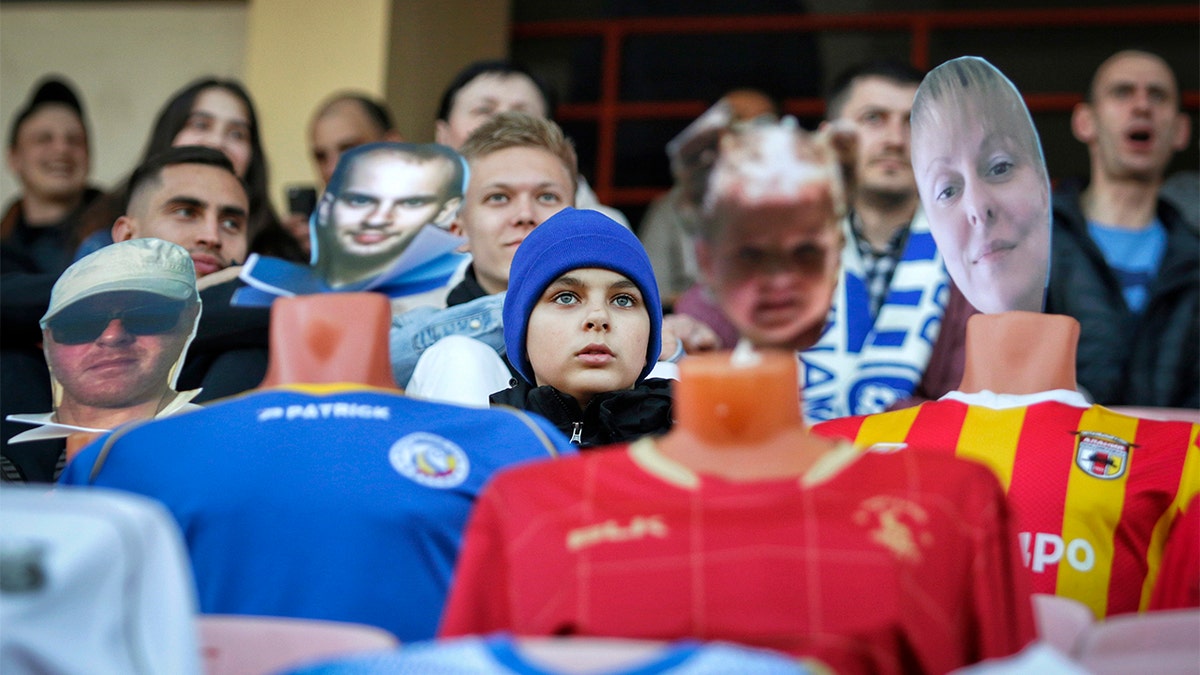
(259, 645)
(1061, 621)
(93, 581)
(1164, 643)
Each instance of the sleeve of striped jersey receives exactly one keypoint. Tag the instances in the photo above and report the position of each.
(1178, 585)
(478, 602)
(842, 427)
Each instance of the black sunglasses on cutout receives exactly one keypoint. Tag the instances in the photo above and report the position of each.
(77, 328)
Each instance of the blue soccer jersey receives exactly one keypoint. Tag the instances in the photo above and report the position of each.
(501, 655)
(334, 502)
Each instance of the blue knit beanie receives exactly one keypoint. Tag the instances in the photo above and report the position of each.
(569, 240)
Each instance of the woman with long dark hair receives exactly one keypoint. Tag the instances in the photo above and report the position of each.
(217, 113)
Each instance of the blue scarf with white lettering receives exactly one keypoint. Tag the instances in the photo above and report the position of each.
(860, 366)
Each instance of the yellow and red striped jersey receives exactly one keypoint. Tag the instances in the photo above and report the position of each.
(1094, 492)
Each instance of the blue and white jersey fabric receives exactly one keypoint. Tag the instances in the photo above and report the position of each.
(864, 363)
(501, 655)
(337, 502)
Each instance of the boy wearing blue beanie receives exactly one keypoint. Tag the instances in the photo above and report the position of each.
(583, 329)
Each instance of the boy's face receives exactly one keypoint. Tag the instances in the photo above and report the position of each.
(588, 334)
(773, 269)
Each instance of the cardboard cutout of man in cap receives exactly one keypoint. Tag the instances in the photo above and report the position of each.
(381, 225)
(115, 335)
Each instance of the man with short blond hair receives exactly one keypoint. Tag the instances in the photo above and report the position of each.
(522, 171)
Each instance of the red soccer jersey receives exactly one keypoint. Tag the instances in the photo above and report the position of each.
(1094, 492)
(1178, 585)
(870, 562)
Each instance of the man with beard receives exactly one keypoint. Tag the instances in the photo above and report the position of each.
(187, 195)
(891, 292)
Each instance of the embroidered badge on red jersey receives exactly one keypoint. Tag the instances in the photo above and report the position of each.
(1102, 455)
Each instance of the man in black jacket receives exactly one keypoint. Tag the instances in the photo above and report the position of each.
(1124, 263)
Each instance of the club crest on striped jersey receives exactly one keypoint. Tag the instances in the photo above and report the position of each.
(430, 460)
(1101, 455)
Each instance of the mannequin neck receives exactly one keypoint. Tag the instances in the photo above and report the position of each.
(1020, 353)
(741, 422)
(330, 338)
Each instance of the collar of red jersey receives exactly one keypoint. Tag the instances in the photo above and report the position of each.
(990, 399)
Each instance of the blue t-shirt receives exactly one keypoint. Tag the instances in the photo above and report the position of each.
(1133, 255)
(336, 502)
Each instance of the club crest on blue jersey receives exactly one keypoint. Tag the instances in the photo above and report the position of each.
(1101, 455)
(430, 460)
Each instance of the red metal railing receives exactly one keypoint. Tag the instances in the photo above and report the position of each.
(610, 110)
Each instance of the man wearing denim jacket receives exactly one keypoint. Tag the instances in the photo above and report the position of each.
(522, 171)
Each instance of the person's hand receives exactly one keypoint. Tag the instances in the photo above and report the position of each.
(695, 336)
(218, 277)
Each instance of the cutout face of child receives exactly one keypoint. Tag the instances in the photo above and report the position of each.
(983, 184)
(774, 269)
(771, 245)
(588, 332)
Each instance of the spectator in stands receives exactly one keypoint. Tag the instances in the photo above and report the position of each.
(486, 88)
(218, 114)
(582, 328)
(48, 153)
(1125, 263)
(190, 196)
(892, 291)
(347, 120)
(522, 171)
(343, 121)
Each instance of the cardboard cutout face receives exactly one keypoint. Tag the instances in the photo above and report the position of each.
(771, 244)
(117, 350)
(378, 199)
(983, 184)
(117, 330)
